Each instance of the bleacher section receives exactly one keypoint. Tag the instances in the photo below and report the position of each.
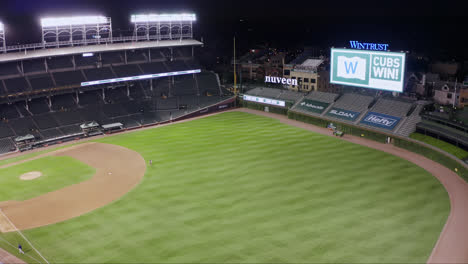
(59, 63)
(40, 82)
(68, 78)
(34, 66)
(16, 85)
(354, 102)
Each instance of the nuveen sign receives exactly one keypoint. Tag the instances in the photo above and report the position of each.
(369, 69)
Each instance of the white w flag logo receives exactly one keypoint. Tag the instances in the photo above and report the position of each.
(354, 67)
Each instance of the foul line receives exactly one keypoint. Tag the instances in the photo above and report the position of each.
(21, 234)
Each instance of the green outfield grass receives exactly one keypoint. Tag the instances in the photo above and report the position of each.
(57, 172)
(241, 188)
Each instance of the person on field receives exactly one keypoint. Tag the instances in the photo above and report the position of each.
(151, 162)
(20, 249)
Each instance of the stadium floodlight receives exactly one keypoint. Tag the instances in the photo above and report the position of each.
(77, 30)
(2, 38)
(142, 18)
(71, 21)
(163, 26)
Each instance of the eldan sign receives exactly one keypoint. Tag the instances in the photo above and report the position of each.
(264, 100)
(343, 114)
(368, 69)
(271, 79)
(312, 106)
(380, 120)
(368, 46)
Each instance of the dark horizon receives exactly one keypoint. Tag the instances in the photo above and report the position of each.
(416, 27)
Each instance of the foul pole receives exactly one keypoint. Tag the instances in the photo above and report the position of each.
(235, 78)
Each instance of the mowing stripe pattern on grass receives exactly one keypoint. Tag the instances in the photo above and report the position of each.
(236, 187)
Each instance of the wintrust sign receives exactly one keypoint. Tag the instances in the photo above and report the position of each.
(280, 80)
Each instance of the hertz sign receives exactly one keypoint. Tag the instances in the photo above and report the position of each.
(368, 69)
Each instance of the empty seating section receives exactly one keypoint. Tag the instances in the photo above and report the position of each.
(354, 102)
(51, 133)
(126, 121)
(5, 130)
(391, 107)
(176, 66)
(204, 101)
(136, 91)
(38, 106)
(127, 70)
(133, 105)
(166, 53)
(161, 86)
(111, 58)
(23, 126)
(207, 83)
(16, 85)
(65, 118)
(34, 66)
(59, 63)
(8, 111)
(63, 102)
(166, 104)
(322, 97)
(116, 95)
(153, 67)
(410, 124)
(93, 113)
(68, 78)
(89, 98)
(6, 145)
(136, 55)
(184, 85)
(99, 74)
(81, 61)
(192, 64)
(40, 82)
(114, 110)
(3, 90)
(45, 121)
(156, 54)
(183, 52)
(9, 68)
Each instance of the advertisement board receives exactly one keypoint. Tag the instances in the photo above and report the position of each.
(312, 106)
(368, 69)
(343, 114)
(264, 100)
(380, 120)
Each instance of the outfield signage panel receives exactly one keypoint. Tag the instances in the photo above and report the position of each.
(368, 69)
(380, 120)
(343, 114)
(312, 106)
(263, 100)
(140, 77)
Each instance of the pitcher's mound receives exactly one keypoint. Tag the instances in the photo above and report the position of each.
(31, 175)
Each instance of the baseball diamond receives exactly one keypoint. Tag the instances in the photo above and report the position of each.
(250, 188)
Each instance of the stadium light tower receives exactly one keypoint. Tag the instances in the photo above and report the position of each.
(163, 26)
(76, 30)
(2, 38)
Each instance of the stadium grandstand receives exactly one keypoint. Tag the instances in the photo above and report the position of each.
(80, 79)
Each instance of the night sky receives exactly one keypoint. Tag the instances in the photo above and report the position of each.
(436, 28)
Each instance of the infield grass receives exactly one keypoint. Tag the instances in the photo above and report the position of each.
(57, 173)
(241, 188)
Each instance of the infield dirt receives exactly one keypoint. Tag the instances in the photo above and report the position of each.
(118, 170)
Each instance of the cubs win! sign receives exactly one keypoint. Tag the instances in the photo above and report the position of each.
(368, 69)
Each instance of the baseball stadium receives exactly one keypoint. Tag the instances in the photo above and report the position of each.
(128, 150)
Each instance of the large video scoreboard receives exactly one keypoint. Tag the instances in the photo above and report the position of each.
(368, 69)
